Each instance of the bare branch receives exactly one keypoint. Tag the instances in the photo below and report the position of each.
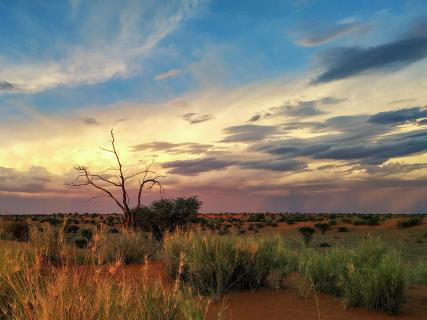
(103, 181)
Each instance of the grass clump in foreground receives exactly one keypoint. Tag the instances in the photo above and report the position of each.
(369, 276)
(129, 246)
(32, 289)
(213, 264)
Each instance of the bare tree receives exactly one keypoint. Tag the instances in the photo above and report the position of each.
(104, 181)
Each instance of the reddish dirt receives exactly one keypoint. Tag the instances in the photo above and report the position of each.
(287, 303)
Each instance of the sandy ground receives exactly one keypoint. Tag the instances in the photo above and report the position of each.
(283, 304)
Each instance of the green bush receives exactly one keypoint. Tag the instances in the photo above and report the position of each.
(214, 264)
(167, 215)
(374, 280)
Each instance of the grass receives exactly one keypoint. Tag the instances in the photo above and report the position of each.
(418, 274)
(363, 272)
(129, 246)
(30, 288)
(369, 276)
(214, 264)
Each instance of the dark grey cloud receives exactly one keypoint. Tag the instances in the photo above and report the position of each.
(248, 133)
(255, 117)
(173, 148)
(368, 149)
(89, 121)
(341, 63)
(399, 116)
(196, 166)
(34, 180)
(281, 165)
(194, 118)
(318, 35)
(6, 86)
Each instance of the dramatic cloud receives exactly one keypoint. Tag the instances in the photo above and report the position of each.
(321, 35)
(174, 148)
(198, 166)
(279, 165)
(194, 118)
(399, 116)
(248, 133)
(34, 180)
(351, 145)
(343, 63)
(194, 167)
(169, 74)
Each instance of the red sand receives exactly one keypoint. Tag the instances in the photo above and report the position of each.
(288, 304)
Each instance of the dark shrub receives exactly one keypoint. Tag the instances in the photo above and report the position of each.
(86, 233)
(17, 231)
(323, 227)
(410, 222)
(359, 222)
(307, 233)
(374, 220)
(81, 243)
(113, 230)
(342, 229)
(167, 215)
(325, 245)
(53, 221)
(71, 229)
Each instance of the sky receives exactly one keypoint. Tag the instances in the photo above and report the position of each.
(298, 105)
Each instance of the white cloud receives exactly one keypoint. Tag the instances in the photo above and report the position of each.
(168, 74)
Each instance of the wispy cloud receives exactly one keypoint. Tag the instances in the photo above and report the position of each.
(6, 86)
(103, 53)
(90, 121)
(321, 35)
(194, 118)
(168, 74)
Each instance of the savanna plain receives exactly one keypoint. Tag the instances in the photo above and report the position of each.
(187, 265)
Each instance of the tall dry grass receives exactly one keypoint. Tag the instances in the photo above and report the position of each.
(40, 280)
